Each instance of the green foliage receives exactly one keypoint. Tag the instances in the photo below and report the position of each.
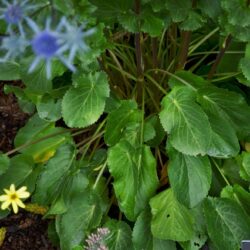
(187, 174)
(149, 136)
(135, 178)
(171, 220)
(227, 224)
(185, 121)
(82, 105)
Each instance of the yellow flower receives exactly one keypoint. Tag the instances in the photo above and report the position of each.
(13, 197)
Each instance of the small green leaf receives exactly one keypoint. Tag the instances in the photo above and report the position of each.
(211, 8)
(84, 104)
(118, 119)
(4, 163)
(119, 237)
(135, 177)
(49, 109)
(245, 166)
(9, 71)
(185, 121)
(187, 174)
(83, 214)
(227, 224)
(171, 220)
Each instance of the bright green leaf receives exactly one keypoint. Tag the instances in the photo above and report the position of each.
(143, 238)
(245, 166)
(185, 121)
(171, 220)
(187, 174)
(84, 104)
(135, 177)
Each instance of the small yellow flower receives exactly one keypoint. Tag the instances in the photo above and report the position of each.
(13, 196)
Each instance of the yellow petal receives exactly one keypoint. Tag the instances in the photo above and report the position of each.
(4, 197)
(15, 207)
(22, 189)
(5, 205)
(12, 188)
(23, 194)
(7, 191)
(20, 203)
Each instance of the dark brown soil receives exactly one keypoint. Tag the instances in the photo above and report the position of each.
(25, 231)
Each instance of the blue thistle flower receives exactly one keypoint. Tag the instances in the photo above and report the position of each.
(72, 38)
(14, 45)
(46, 46)
(13, 13)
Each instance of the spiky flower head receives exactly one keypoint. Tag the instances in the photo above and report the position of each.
(13, 45)
(14, 13)
(46, 46)
(13, 197)
(72, 38)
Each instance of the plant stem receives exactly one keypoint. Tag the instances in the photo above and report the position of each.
(225, 46)
(186, 37)
(154, 52)
(100, 175)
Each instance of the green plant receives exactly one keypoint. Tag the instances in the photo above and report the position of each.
(160, 102)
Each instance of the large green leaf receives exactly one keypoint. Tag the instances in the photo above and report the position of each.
(143, 238)
(211, 8)
(224, 142)
(20, 168)
(187, 174)
(84, 104)
(34, 131)
(4, 163)
(171, 220)
(84, 214)
(135, 177)
(120, 235)
(227, 223)
(52, 179)
(185, 121)
(229, 103)
(119, 119)
(9, 71)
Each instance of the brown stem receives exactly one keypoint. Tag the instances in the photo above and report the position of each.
(219, 56)
(186, 37)
(154, 52)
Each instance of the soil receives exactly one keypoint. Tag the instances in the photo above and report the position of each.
(25, 231)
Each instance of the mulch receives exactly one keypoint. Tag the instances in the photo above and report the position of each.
(25, 231)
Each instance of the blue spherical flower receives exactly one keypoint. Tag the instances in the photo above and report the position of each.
(46, 46)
